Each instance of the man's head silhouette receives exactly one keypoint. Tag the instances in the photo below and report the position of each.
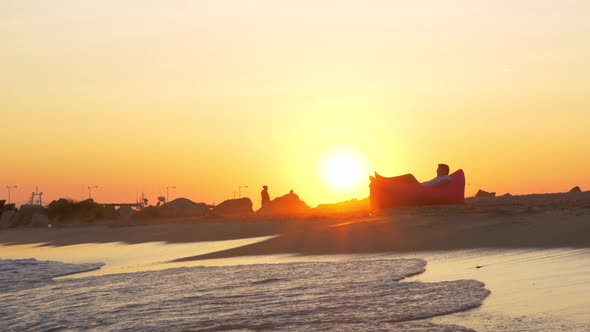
(443, 169)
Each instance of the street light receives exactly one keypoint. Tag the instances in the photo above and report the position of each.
(90, 191)
(240, 190)
(167, 193)
(10, 187)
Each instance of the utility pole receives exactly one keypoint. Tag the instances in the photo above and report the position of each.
(90, 191)
(167, 193)
(10, 187)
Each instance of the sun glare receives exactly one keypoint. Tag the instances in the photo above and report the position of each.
(343, 170)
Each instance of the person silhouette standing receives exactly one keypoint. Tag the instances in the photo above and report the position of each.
(265, 196)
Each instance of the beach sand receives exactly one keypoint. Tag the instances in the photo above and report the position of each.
(532, 221)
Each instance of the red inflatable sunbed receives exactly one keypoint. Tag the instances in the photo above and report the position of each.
(387, 194)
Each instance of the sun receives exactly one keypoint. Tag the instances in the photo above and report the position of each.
(343, 169)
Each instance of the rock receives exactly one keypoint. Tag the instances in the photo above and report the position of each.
(481, 193)
(289, 204)
(40, 220)
(183, 207)
(150, 212)
(10, 218)
(90, 216)
(108, 212)
(125, 212)
(233, 207)
(575, 189)
(506, 195)
(29, 210)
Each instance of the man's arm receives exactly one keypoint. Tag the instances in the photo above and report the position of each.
(437, 181)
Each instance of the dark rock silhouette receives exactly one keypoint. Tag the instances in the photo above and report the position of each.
(507, 195)
(575, 189)
(149, 212)
(289, 204)
(10, 218)
(40, 220)
(9, 207)
(183, 207)
(29, 211)
(125, 212)
(482, 193)
(178, 208)
(2, 204)
(233, 207)
(109, 212)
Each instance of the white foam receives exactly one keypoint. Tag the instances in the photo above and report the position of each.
(350, 295)
(19, 274)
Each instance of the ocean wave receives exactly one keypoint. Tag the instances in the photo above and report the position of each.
(350, 295)
(19, 274)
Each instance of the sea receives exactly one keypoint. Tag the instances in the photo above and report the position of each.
(483, 290)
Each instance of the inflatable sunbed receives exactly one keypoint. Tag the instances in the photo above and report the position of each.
(388, 194)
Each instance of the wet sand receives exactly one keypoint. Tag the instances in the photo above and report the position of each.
(118, 257)
(531, 290)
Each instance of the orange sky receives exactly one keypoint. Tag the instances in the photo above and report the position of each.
(210, 96)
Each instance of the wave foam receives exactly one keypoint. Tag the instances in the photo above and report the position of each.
(351, 295)
(21, 274)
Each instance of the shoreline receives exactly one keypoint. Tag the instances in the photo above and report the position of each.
(546, 301)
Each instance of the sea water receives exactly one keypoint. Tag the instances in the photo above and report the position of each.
(353, 295)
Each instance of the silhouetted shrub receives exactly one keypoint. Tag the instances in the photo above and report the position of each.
(62, 208)
(86, 210)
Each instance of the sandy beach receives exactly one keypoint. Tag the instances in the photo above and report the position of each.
(530, 251)
(531, 221)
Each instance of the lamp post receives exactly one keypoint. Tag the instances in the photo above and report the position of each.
(90, 191)
(167, 193)
(240, 190)
(10, 187)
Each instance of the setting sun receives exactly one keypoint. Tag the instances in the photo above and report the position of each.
(344, 169)
(329, 162)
